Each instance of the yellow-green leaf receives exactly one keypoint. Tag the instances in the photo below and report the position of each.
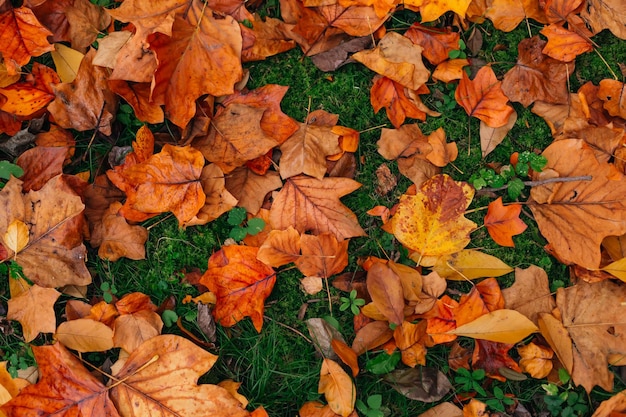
(470, 264)
(16, 236)
(504, 326)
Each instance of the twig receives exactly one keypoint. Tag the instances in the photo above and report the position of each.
(296, 331)
(542, 182)
(98, 121)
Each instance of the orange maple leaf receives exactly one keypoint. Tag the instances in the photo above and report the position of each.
(483, 98)
(390, 94)
(241, 284)
(503, 222)
(437, 43)
(34, 309)
(564, 44)
(22, 38)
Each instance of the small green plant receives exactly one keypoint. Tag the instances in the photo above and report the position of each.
(470, 381)
(169, 317)
(241, 227)
(7, 169)
(383, 363)
(13, 270)
(374, 406)
(108, 291)
(500, 400)
(20, 360)
(458, 53)
(564, 401)
(351, 302)
(509, 175)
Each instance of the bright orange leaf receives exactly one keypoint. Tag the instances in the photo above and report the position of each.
(483, 98)
(564, 44)
(241, 284)
(503, 222)
(535, 360)
(22, 38)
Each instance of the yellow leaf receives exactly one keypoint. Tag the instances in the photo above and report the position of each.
(617, 269)
(504, 326)
(67, 61)
(337, 387)
(432, 222)
(85, 335)
(16, 236)
(470, 264)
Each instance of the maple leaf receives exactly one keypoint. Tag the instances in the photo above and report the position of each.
(64, 387)
(390, 94)
(322, 256)
(164, 370)
(483, 98)
(137, 321)
(203, 56)
(86, 103)
(167, 181)
(235, 137)
(606, 14)
(27, 99)
(611, 92)
(22, 38)
(530, 293)
(450, 70)
(503, 222)
(250, 189)
(490, 137)
(137, 95)
(337, 387)
(269, 37)
(40, 164)
(564, 45)
(575, 216)
(536, 76)
(218, 200)
(311, 204)
(34, 309)
(398, 58)
(55, 254)
(280, 247)
(241, 284)
(437, 43)
(592, 316)
(412, 341)
(432, 222)
(507, 14)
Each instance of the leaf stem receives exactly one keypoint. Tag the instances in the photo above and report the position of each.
(542, 182)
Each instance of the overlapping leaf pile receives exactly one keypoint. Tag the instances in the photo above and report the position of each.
(182, 60)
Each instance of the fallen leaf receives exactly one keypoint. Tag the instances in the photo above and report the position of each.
(202, 56)
(450, 70)
(85, 335)
(66, 61)
(55, 255)
(483, 98)
(530, 293)
(535, 76)
(34, 309)
(412, 341)
(322, 256)
(575, 216)
(371, 336)
(470, 264)
(423, 384)
(443, 410)
(23, 38)
(490, 137)
(241, 284)
(280, 248)
(432, 222)
(432, 10)
(137, 95)
(64, 387)
(86, 103)
(306, 150)
(385, 288)
(346, 354)
(317, 409)
(503, 222)
(507, 14)
(16, 237)
(503, 326)
(311, 204)
(389, 94)
(564, 45)
(535, 360)
(250, 188)
(611, 92)
(337, 387)
(119, 239)
(612, 406)
(493, 356)
(167, 181)
(475, 408)
(40, 164)
(397, 58)
(323, 333)
(162, 371)
(606, 14)
(437, 43)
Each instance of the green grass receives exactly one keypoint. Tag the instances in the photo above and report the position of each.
(279, 368)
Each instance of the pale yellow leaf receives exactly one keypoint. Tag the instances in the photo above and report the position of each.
(16, 236)
(85, 335)
(66, 60)
(503, 326)
(470, 264)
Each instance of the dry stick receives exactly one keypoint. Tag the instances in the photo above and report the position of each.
(296, 331)
(543, 182)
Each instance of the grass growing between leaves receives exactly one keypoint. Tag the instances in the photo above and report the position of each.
(279, 368)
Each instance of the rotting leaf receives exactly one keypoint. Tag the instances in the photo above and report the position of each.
(421, 384)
